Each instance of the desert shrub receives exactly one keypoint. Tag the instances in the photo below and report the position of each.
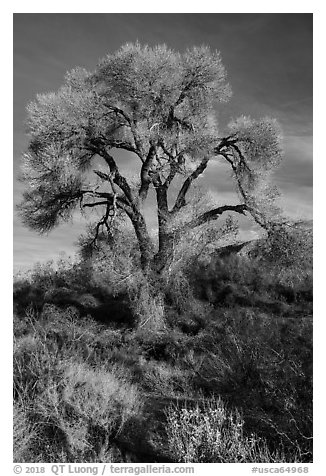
(34, 366)
(24, 434)
(179, 294)
(212, 434)
(163, 378)
(289, 244)
(69, 399)
(193, 249)
(88, 407)
(64, 273)
(25, 294)
(54, 333)
(262, 365)
(114, 261)
(43, 282)
(77, 415)
(272, 273)
(148, 305)
(116, 271)
(169, 345)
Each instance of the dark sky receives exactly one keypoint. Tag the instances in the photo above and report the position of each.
(269, 62)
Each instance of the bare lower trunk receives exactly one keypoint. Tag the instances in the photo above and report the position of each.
(151, 261)
(164, 256)
(145, 243)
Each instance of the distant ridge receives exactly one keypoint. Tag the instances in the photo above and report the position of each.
(304, 224)
(244, 247)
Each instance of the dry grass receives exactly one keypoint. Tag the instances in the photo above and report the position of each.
(212, 434)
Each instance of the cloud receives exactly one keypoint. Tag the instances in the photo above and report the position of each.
(297, 203)
(296, 169)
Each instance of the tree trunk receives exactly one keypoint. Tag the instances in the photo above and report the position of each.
(144, 241)
(164, 256)
(151, 262)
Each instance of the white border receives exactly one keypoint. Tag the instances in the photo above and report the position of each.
(319, 184)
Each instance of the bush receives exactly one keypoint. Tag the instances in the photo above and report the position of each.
(69, 399)
(258, 278)
(24, 433)
(88, 408)
(263, 366)
(289, 244)
(212, 434)
(61, 281)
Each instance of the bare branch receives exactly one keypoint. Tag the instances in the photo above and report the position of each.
(172, 174)
(124, 145)
(216, 213)
(101, 174)
(184, 93)
(117, 178)
(181, 198)
(133, 127)
(241, 189)
(175, 164)
(119, 111)
(94, 204)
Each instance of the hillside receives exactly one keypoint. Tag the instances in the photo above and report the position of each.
(221, 371)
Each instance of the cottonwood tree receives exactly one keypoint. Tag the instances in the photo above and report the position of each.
(160, 107)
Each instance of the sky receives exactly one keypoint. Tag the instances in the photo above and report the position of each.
(268, 58)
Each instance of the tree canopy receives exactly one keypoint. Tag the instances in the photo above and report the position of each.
(160, 106)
